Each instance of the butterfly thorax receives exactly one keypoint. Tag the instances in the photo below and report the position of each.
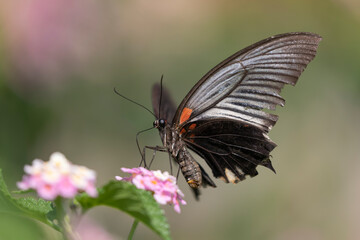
(177, 148)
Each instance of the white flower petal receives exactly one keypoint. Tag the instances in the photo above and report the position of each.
(60, 162)
(50, 174)
(35, 168)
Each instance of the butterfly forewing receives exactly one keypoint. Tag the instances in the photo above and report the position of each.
(250, 80)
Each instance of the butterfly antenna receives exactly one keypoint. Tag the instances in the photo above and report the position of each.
(134, 102)
(161, 88)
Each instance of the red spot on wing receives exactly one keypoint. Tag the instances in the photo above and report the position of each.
(192, 126)
(185, 115)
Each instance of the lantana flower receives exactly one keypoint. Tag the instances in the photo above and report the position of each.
(162, 185)
(58, 177)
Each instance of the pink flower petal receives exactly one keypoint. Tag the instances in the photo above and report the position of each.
(119, 178)
(152, 184)
(66, 189)
(24, 184)
(131, 170)
(138, 181)
(162, 198)
(58, 178)
(35, 181)
(144, 171)
(177, 208)
(91, 190)
(47, 191)
(87, 229)
(162, 185)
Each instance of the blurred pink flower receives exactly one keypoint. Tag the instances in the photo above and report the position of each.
(58, 177)
(162, 185)
(48, 41)
(87, 229)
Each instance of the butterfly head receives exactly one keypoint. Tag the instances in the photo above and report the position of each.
(159, 123)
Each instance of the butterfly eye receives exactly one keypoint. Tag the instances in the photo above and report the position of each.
(162, 123)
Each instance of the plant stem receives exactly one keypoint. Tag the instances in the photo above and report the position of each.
(60, 216)
(133, 228)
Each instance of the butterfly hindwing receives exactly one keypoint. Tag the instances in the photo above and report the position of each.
(232, 149)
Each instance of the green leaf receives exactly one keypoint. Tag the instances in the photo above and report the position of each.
(14, 226)
(136, 202)
(26, 207)
(38, 209)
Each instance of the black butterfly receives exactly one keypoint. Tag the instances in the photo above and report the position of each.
(221, 118)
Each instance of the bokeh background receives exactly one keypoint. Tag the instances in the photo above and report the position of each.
(61, 59)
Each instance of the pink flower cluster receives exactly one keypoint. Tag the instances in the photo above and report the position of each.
(162, 185)
(58, 177)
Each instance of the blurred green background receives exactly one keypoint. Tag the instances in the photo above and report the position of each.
(61, 59)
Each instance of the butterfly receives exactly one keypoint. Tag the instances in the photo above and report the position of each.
(222, 120)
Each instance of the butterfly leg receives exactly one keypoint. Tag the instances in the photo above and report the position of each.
(170, 162)
(177, 175)
(143, 158)
(152, 159)
(154, 153)
(155, 149)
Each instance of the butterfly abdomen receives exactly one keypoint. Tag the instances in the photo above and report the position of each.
(189, 168)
